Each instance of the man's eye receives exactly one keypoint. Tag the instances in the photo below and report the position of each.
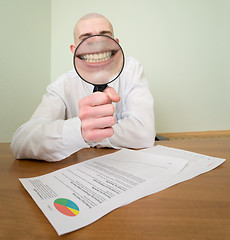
(84, 37)
(109, 34)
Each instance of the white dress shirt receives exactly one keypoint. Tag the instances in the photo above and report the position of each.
(54, 130)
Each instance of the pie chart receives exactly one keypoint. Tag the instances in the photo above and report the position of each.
(66, 207)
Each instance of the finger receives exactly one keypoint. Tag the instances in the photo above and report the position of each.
(113, 95)
(96, 135)
(95, 99)
(98, 123)
(97, 111)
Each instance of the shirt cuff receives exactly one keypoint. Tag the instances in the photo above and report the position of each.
(72, 138)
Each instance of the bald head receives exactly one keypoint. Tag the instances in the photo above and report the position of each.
(92, 15)
(92, 24)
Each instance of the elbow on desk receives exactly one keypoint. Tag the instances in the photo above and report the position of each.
(30, 149)
(137, 140)
(15, 149)
(145, 140)
(28, 152)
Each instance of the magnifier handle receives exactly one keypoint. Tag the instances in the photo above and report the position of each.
(100, 88)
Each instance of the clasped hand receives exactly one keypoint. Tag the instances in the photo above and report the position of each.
(96, 113)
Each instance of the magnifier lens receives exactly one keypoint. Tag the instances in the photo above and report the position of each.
(99, 60)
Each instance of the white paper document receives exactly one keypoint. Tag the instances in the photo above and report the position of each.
(76, 196)
(196, 165)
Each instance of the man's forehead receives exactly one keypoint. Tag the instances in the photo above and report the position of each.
(93, 25)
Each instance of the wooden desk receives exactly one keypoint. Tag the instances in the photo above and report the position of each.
(195, 209)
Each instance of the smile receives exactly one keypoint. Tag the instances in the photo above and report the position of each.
(97, 57)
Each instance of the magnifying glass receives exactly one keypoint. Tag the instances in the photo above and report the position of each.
(99, 60)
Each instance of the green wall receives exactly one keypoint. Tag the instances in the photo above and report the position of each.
(25, 60)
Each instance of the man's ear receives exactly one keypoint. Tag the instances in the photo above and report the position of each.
(117, 40)
(72, 48)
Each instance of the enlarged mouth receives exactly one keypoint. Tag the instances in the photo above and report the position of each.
(97, 57)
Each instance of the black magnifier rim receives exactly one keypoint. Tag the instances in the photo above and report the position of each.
(98, 35)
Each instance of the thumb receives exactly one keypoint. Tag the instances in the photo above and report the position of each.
(112, 94)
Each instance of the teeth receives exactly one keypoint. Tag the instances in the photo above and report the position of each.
(96, 57)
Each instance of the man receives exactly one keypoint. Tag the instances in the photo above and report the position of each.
(71, 117)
